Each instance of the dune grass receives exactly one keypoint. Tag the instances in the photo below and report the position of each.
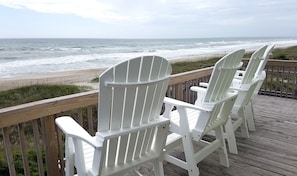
(36, 92)
(289, 53)
(285, 53)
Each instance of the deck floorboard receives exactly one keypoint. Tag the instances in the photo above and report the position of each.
(270, 151)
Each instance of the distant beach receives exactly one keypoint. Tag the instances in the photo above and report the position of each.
(78, 77)
(52, 61)
(21, 57)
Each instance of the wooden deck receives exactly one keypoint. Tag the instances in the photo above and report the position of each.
(270, 151)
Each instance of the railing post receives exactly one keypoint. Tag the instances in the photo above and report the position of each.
(295, 86)
(180, 92)
(51, 149)
(9, 154)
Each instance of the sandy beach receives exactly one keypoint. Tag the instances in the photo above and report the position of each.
(78, 77)
(66, 77)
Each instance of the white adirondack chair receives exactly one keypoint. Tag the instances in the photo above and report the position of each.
(245, 86)
(189, 123)
(130, 129)
(261, 75)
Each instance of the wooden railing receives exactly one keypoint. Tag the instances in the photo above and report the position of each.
(33, 144)
(281, 79)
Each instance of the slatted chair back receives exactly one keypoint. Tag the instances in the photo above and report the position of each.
(253, 65)
(265, 59)
(129, 122)
(217, 96)
(247, 85)
(218, 116)
(260, 75)
(222, 75)
(130, 128)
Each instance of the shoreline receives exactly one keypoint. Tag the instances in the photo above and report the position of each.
(65, 77)
(83, 77)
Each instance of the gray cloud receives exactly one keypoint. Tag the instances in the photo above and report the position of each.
(157, 18)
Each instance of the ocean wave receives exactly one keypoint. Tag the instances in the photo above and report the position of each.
(47, 57)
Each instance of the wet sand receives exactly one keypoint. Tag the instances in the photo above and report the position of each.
(78, 77)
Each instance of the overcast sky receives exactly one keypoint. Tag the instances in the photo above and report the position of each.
(147, 18)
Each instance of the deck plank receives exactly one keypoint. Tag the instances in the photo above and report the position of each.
(270, 150)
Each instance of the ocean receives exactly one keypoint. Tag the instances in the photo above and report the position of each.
(32, 56)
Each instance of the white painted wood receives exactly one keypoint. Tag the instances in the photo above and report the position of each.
(261, 75)
(130, 129)
(189, 123)
(247, 83)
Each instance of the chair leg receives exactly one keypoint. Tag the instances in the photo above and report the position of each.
(230, 136)
(158, 167)
(135, 173)
(250, 116)
(193, 170)
(243, 128)
(69, 157)
(223, 154)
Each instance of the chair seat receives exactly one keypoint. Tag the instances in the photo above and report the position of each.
(192, 114)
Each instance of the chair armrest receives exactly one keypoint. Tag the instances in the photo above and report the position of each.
(177, 103)
(203, 84)
(243, 87)
(72, 129)
(262, 75)
(201, 92)
(199, 89)
(239, 74)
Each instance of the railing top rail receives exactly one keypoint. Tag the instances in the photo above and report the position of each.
(276, 62)
(30, 111)
(190, 75)
(34, 110)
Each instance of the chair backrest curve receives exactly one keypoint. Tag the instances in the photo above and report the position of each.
(265, 59)
(131, 93)
(222, 75)
(253, 65)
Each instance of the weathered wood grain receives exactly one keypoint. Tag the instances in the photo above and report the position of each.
(270, 151)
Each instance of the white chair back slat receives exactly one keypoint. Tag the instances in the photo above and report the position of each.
(123, 146)
(147, 142)
(164, 71)
(133, 76)
(148, 103)
(105, 94)
(131, 147)
(138, 144)
(112, 152)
